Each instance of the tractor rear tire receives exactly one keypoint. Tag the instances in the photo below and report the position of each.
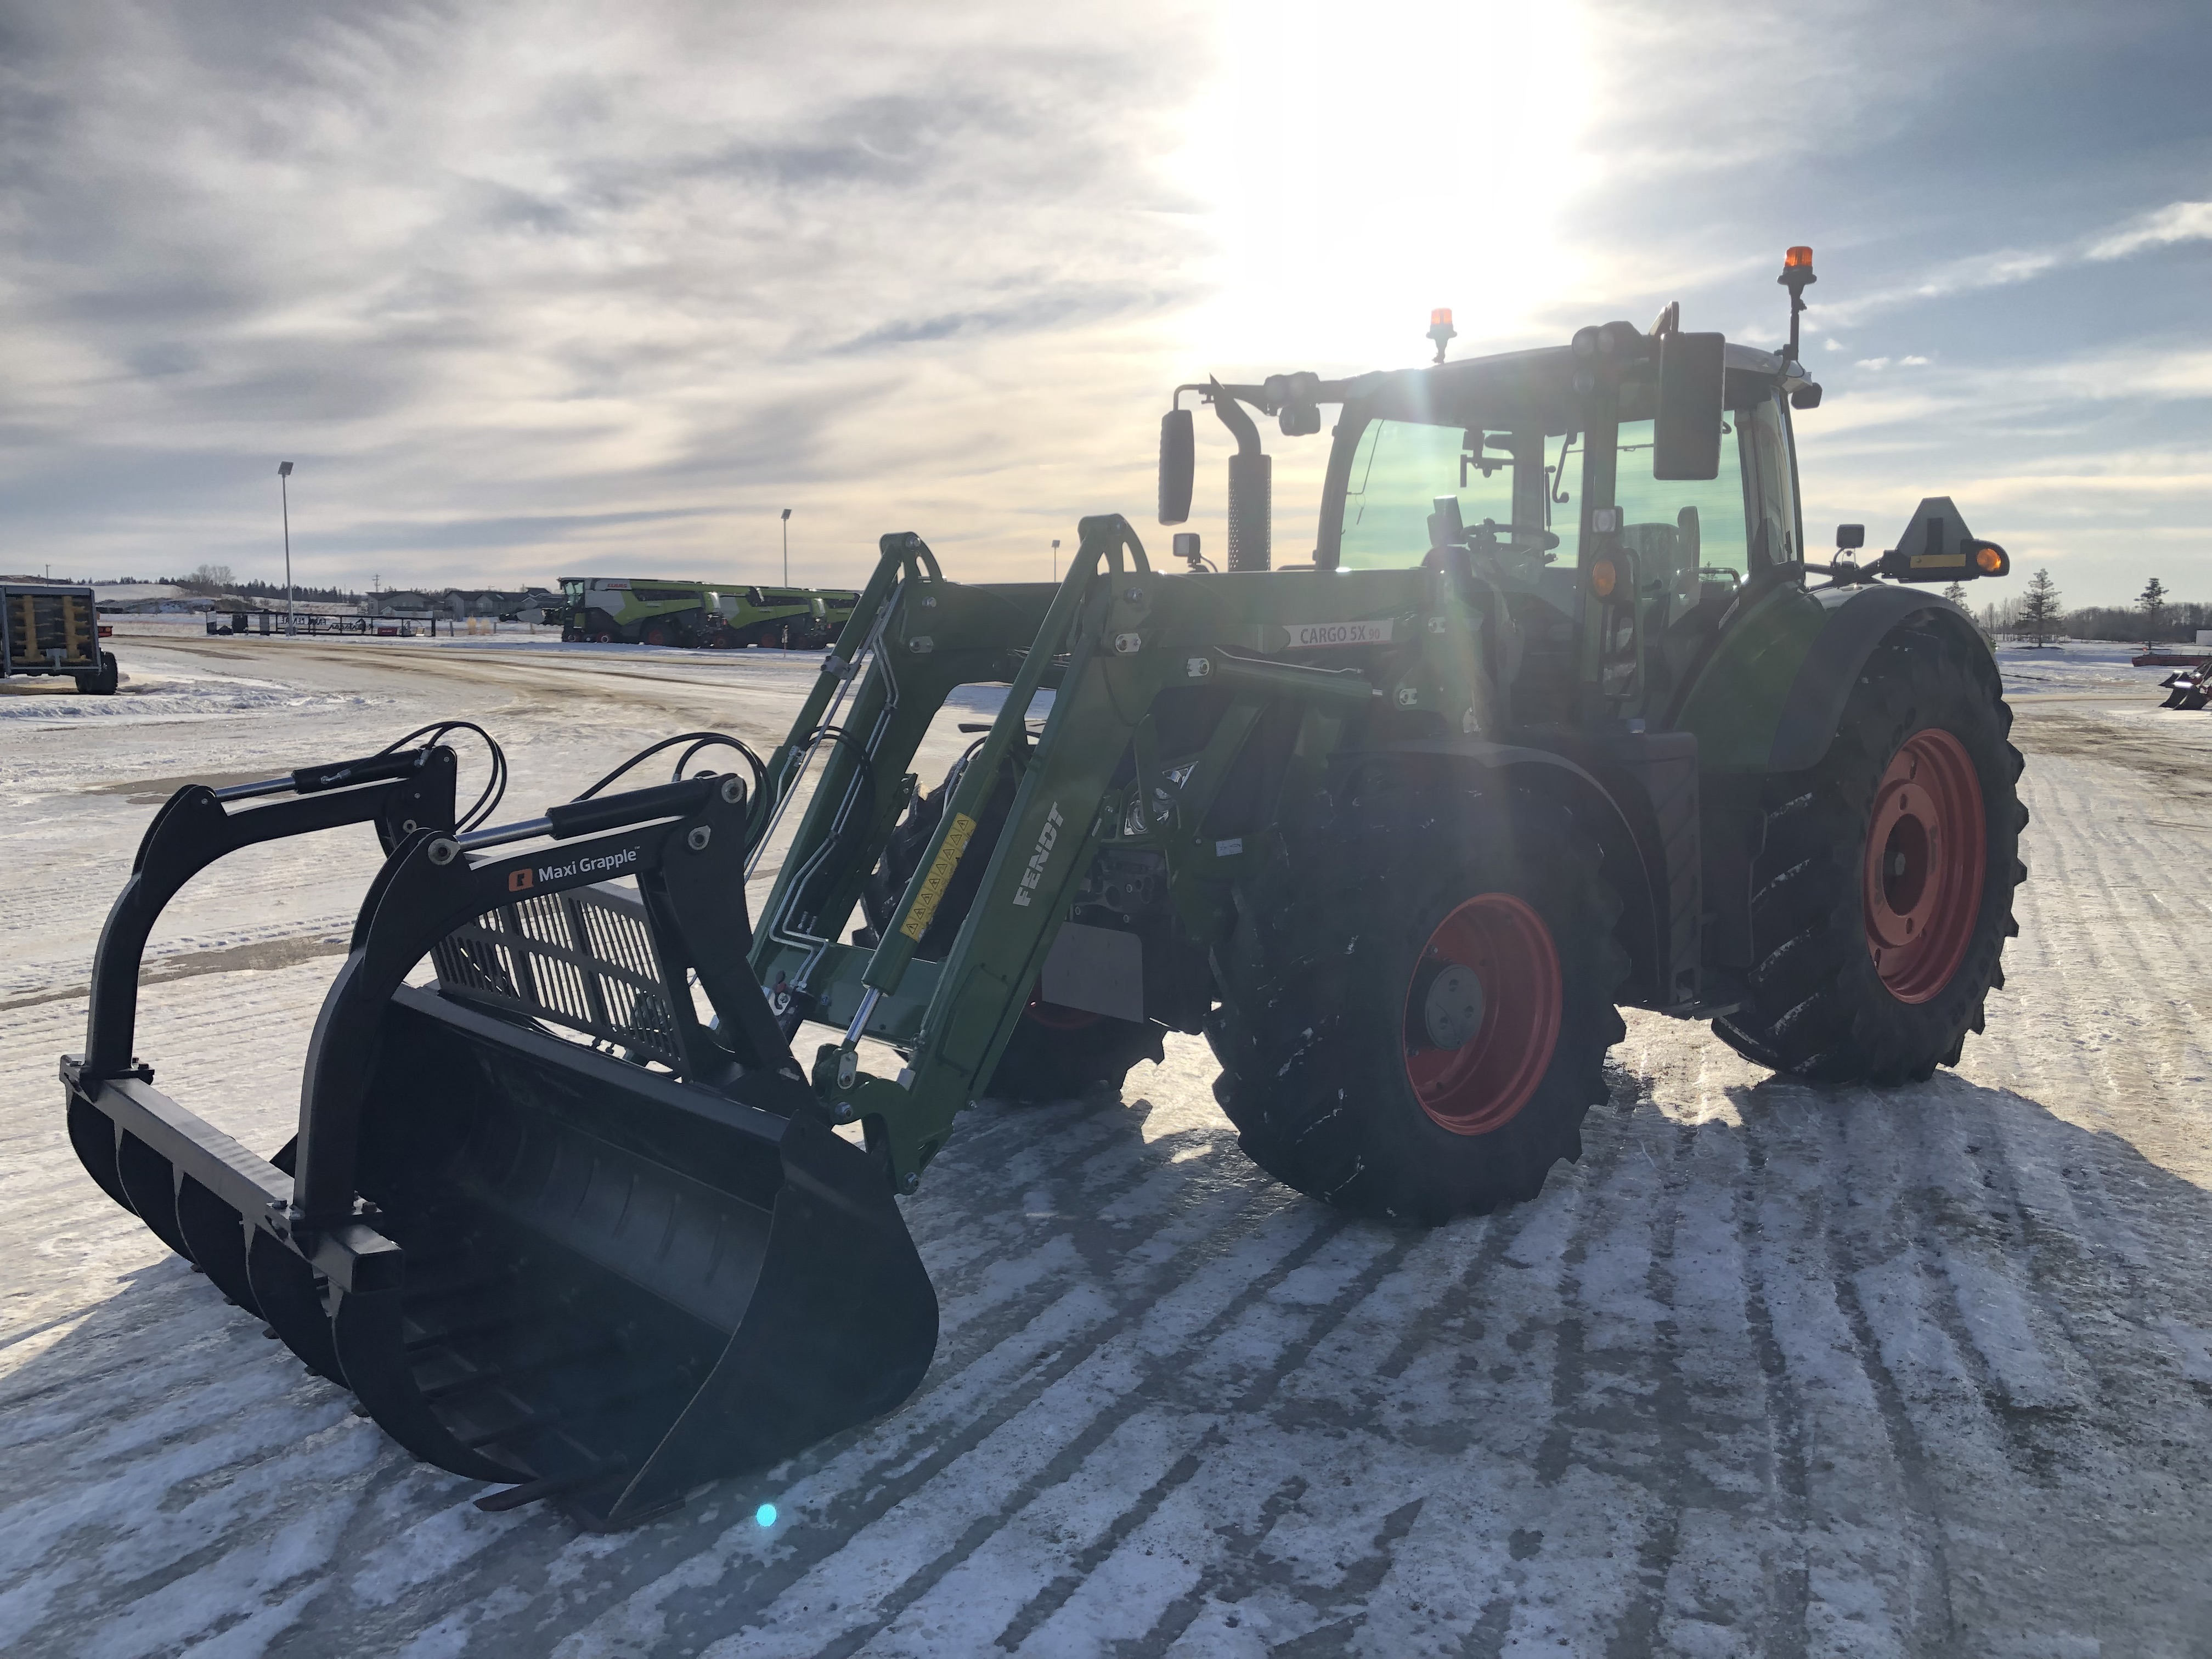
(1417, 998)
(1882, 899)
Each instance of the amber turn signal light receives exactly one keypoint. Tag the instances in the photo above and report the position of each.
(1604, 576)
(1991, 560)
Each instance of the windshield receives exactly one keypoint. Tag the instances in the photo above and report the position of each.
(1401, 471)
(1715, 529)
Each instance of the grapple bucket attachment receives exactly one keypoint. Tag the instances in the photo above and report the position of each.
(604, 1272)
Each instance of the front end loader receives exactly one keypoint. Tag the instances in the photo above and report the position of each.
(1397, 831)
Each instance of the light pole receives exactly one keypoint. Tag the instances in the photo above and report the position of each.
(1055, 558)
(284, 489)
(787, 547)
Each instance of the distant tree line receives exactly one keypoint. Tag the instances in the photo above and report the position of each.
(215, 580)
(2153, 619)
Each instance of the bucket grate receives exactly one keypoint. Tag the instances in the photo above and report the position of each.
(584, 959)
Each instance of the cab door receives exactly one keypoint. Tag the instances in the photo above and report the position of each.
(1697, 543)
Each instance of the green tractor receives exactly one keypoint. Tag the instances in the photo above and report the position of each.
(1558, 718)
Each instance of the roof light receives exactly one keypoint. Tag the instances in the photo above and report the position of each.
(1796, 277)
(1441, 330)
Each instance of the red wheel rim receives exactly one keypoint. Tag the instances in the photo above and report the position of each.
(1482, 1084)
(1922, 872)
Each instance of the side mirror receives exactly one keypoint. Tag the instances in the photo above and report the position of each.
(1178, 466)
(1849, 536)
(1686, 436)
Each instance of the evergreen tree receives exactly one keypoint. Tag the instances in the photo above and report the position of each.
(2038, 611)
(2153, 601)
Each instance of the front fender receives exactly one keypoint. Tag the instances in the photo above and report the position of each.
(1770, 699)
(1636, 797)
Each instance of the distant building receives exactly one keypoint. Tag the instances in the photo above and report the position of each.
(458, 603)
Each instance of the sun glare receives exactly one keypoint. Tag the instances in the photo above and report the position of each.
(1359, 166)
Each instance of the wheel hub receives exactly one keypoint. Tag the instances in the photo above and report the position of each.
(1922, 869)
(1451, 1012)
(1482, 1014)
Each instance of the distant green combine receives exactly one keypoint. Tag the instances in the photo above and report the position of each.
(641, 611)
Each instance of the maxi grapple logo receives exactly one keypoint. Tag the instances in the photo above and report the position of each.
(596, 868)
(1047, 838)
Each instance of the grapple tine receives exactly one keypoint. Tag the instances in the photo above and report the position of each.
(600, 1471)
(92, 1133)
(285, 1291)
(217, 1235)
(151, 1180)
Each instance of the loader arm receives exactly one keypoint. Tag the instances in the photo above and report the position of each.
(1108, 642)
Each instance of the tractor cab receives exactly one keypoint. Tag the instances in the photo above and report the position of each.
(1617, 510)
(1499, 461)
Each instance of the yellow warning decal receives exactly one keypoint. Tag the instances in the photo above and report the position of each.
(939, 877)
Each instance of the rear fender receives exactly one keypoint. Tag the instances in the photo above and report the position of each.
(1772, 697)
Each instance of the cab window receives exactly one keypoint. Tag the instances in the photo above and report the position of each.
(1686, 533)
(1773, 496)
(1398, 472)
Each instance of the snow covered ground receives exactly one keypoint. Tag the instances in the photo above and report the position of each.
(1772, 1371)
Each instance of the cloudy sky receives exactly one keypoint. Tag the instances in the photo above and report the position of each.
(545, 288)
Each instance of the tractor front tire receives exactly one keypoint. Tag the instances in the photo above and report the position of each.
(1417, 999)
(1882, 899)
